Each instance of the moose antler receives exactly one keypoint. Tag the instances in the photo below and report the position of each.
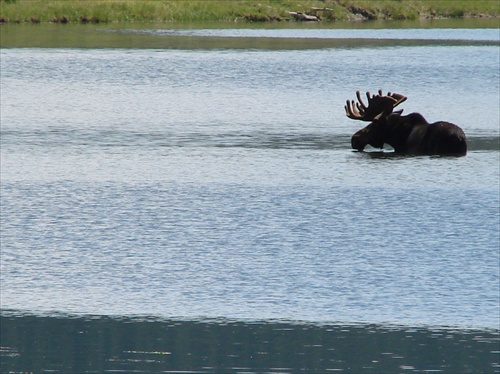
(377, 104)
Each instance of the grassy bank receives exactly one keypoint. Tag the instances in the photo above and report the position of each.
(95, 11)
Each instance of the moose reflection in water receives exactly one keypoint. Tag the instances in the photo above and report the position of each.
(410, 134)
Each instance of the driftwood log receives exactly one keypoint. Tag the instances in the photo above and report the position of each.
(299, 16)
(322, 9)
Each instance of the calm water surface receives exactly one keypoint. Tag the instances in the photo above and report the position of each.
(188, 184)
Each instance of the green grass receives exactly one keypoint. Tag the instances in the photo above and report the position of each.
(94, 11)
(413, 9)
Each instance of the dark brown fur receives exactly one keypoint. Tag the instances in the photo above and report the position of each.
(412, 134)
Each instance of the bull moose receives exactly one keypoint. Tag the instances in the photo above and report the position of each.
(410, 134)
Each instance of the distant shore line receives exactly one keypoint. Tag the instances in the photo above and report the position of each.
(109, 11)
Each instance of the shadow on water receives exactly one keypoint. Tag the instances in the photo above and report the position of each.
(116, 138)
(70, 344)
(202, 36)
(391, 155)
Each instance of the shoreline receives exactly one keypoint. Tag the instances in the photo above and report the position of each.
(245, 12)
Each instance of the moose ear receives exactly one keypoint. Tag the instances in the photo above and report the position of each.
(398, 112)
(379, 116)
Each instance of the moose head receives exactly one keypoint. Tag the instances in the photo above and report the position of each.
(410, 134)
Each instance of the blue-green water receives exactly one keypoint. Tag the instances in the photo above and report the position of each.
(102, 344)
(213, 192)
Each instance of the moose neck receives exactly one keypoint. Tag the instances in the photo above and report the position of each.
(397, 130)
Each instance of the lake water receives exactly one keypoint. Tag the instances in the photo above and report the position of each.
(198, 187)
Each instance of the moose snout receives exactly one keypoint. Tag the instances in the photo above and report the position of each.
(357, 143)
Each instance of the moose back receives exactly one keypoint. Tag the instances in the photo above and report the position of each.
(410, 134)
